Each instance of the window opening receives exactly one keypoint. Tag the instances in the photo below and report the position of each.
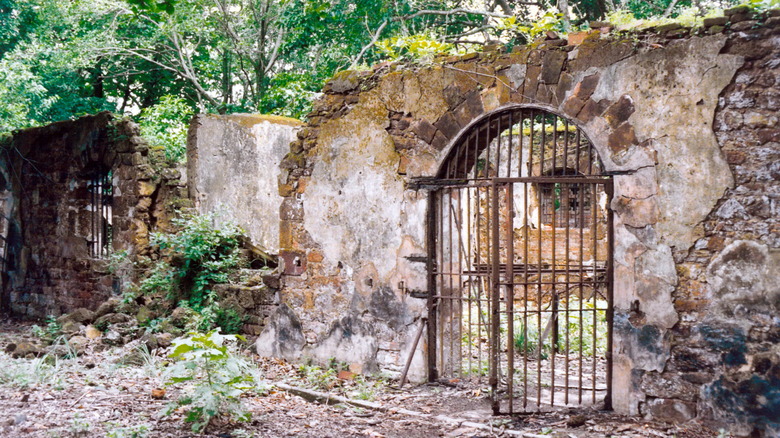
(101, 195)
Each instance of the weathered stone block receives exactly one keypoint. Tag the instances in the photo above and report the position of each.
(674, 411)
(552, 64)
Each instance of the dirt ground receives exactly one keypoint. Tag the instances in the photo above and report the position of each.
(95, 395)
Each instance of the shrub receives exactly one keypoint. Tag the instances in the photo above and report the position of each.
(202, 253)
(218, 376)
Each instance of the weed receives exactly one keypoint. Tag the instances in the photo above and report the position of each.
(23, 373)
(218, 378)
(317, 377)
(50, 331)
(78, 426)
(136, 431)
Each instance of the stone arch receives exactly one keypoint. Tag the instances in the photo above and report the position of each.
(601, 149)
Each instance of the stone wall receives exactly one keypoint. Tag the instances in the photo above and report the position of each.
(49, 267)
(233, 166)
(696, 233)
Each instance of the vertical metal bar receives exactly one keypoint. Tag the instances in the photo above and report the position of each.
(567, 286)
(480, 279)
(525, 297)
(498, 146)
(581, 268)
(577, 147)
(487, 146)
(531, 144)
(95, 238)
(442, 279)
(469, 233)
(554, 146)
(510, 295)
(566, 146)
(450, 289)
(432, 229)
(459, 280)
(542, 159)
(594, 231)
(610, 292)
(494, 299)
(511, 146)
(553, 280)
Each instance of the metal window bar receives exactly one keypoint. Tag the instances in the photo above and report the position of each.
(101, 194)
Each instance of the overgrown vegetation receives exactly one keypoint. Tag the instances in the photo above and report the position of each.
(164, 125)
(161, 60)
(203, 252)
(216, 376)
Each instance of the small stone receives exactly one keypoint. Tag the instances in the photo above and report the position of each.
(24, 349)
(576, 421)
(19, 419)
(79, 343)
(71, 327)
(715, 29)
(738, 18)
(164, 340)
(743, 25)
(346, 375)
(736, 10)
(599, 24)
(81, 316)
(668, 27)
(92, 333)
(715, 21)
(112, 318)
(113, 338)
(144, 315)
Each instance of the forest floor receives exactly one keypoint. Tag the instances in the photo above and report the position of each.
(96, 395)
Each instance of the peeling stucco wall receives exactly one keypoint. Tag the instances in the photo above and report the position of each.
(232, 168)
(355, 221)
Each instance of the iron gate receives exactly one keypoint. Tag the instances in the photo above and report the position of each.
(520, 242)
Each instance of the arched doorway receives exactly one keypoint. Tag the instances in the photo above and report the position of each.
(520, 239)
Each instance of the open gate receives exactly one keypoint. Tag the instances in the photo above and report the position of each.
(520, 243)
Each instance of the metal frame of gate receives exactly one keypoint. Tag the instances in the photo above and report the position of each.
(519, 296)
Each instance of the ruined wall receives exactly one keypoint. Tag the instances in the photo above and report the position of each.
(49, 268)
(233, 165)
(689, 211)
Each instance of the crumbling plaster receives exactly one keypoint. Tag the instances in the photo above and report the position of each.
(647, 108)
(233, 166)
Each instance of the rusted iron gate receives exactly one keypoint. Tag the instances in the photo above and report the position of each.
(520, 265)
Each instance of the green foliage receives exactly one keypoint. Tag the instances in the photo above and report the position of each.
(23, 373)
(50, 331)
(202, 253)
(135, 431)
(762, 5)
(230, 320)
(419, 47)
(551, 20)
(78, 426)
(164, 125)
(317, 377)
(217, 378)
(573, 326)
